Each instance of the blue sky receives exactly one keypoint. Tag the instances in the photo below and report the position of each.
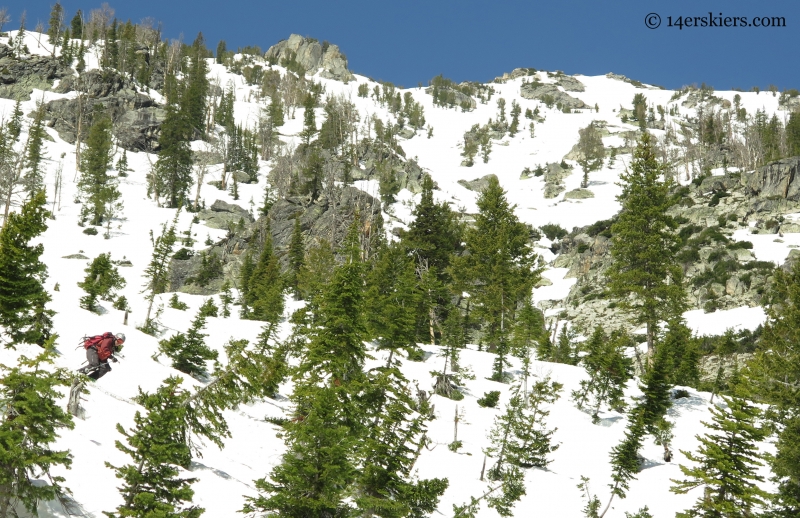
(408, 42)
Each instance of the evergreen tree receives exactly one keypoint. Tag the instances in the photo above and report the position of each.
(172, 174)
(608, 371)
(393, 298)
(772, 376)
(264, 293)
(727, 460)
(499, 269)
(32, 416)
(625, 459)
(309, 119)
(222, 48)
(296, 257)
(56, 24)
(102, 281)
(245, 272)
(226, 299)
(34, 175)
(151, 483)
(98, 189)
(193, 101)
(388, 452)
(590, 146)
(682, 354)
(157, 272)
(642, 245)
(22, 274)
(189, 352)
(76, 24)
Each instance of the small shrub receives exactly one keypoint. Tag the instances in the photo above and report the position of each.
(91, 231)
(489, 399)
(176, 303)
(121, 303)
(454, 446)
(208, 309)
(743, 245)
(183, 254)
(680, 394)
(553, 231)
(582, 247)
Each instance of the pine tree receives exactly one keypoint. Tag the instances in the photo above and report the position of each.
(56, 24)
(98, 189)
(393, 298)
(772, 376)
(34, 176)
(641, 246)
(296, 257)
(226, 299)
(309, 119)
(22, 274)
(172, 174)
(388, 452)
(728, 458)
(156, 444)
(76, 24)
(32, 416)
(264, 294)
(608, 371)
(102, 281)
(590, 146)
(157, 272)
(625, 460)
(499, 269)
(189, 352)
(245, 272)
(193, 101)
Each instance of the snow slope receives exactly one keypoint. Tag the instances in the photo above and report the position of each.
(223, 476)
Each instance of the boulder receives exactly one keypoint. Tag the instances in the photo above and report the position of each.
(224, 215)
(478, 184)
(312, 56)
(545, 92)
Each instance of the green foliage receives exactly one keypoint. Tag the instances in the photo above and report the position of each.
(98, 189)
(172, 176)
(590, 146)
(553, 231)
(32, 415)
(33, 180)
(264, 292)
(489, 399)
(643, 245)
(727, 462)
(157, 272)
(210, 269)
(151, 485)
(498, 271)
(208, 309)
(102, 281)
(22, 274)
(608, 369)
(188, 351)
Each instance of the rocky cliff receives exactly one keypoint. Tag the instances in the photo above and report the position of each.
(313, 56)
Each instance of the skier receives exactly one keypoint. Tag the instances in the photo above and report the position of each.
(100, 349)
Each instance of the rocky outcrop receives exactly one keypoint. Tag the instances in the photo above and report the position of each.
(780, 179)
(478, 184)
(137, 120)
(325, 218)
(455, 97)
(224, 215)
(517, 72)
(312, 56)
(550, 94)
(554, 176)
(19, 77)
(570, 84)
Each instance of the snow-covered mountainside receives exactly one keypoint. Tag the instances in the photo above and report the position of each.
(224, 476)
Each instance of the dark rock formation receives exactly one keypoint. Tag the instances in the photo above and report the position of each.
(550, 92)
(777, 180)
(18, 77)
(137, 120)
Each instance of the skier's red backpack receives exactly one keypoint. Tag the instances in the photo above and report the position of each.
(93, 341)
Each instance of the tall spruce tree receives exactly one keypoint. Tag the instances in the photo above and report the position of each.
(22, 275)
(498, 271)
(32, 416)
(98, 189)
(33, 179)
(193, 100)
(172, 174)
(265, 286)
(772, 377)
(726, 464)
(642, 245)
(151, 485)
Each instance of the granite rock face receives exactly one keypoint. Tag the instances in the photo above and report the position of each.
(314, 57)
